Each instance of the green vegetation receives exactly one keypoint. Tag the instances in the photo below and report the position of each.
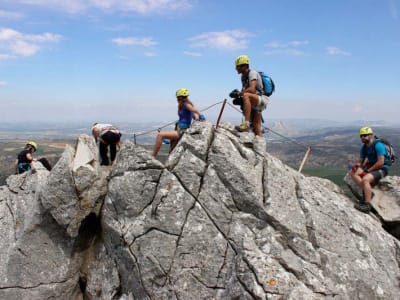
(334, 174)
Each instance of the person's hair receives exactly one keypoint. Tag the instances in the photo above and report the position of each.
(181, 103)
(29, 147)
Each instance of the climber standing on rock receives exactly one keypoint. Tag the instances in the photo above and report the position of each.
(24, 160)
(372, 166)
(186, 112)
(254, 99)
(108, 136)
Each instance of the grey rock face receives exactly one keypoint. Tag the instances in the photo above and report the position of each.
(77, 185)
(37, 258)
(225, 220)
(222, 219)
(386, 199)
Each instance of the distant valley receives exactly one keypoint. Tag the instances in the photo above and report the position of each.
(333, 145)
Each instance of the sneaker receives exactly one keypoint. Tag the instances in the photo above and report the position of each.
(244, 127)
(363, 207)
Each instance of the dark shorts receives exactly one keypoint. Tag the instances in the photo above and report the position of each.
(110, 137)
(378, 175)
(180, 130)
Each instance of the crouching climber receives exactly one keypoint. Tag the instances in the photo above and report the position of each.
(24, 160)
(108, 136)
(371, 167)
(186, 111)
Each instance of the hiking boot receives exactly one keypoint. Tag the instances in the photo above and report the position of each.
(244, 127)
(363, 207)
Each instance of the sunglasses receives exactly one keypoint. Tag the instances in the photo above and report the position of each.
(363, 135)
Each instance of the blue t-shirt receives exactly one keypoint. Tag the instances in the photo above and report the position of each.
(185, 117)
(372, 154)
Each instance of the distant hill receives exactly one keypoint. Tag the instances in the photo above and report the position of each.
(334, 144)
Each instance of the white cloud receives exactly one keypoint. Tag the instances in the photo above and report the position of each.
(135, 41)
(288, 48)
(3, 83)
(189, 53)
(139, 6)
(225, 40)
(393, 9)
(291, 44)
(293, 52)
(11, 15)
(7, 34)
(6, 56)
(150, 54)
(44, 37)
(336, 51)
(17, 44)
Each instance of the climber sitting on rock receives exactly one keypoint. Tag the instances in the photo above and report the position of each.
(372, 166)
(25, 159)
(186, 111)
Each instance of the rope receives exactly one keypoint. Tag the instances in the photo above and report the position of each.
(154, 130)
(288, 138)
(172, 123)
(269, 129)
(235, 108)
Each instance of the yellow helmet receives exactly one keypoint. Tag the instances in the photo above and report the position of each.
(242, 60)
(366, 130)
(182, 92)
(33, 144)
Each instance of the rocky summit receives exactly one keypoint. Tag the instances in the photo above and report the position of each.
(221, 219)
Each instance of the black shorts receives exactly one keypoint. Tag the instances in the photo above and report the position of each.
(378, 175)
(111, 137)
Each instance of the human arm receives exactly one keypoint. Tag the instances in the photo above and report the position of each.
(252, 89)
(357, 164)
(380, 151)
(378, 165)
(95, 133)
(193, 109)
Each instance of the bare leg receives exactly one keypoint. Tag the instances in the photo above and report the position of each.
(257, 123)
(171, 135)
(249, 100)
(356, 176)
(366, 185)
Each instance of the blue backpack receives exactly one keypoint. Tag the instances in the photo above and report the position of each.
(391, 154)
(268, 84)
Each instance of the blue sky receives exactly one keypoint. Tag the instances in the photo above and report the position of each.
(109, 60)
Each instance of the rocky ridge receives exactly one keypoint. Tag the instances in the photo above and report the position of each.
(221, 219)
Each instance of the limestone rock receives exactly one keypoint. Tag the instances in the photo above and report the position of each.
(386, 199)
(222, 219)
(37, 258)
(76, 185)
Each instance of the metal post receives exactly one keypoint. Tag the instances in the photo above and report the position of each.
(220, 113)
(305, 158)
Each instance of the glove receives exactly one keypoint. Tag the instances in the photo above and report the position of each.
(202, 118)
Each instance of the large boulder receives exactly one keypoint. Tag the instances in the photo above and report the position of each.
(385, 200)
(224, 219)
(77, 185)
(221, 219)
(38, 260)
